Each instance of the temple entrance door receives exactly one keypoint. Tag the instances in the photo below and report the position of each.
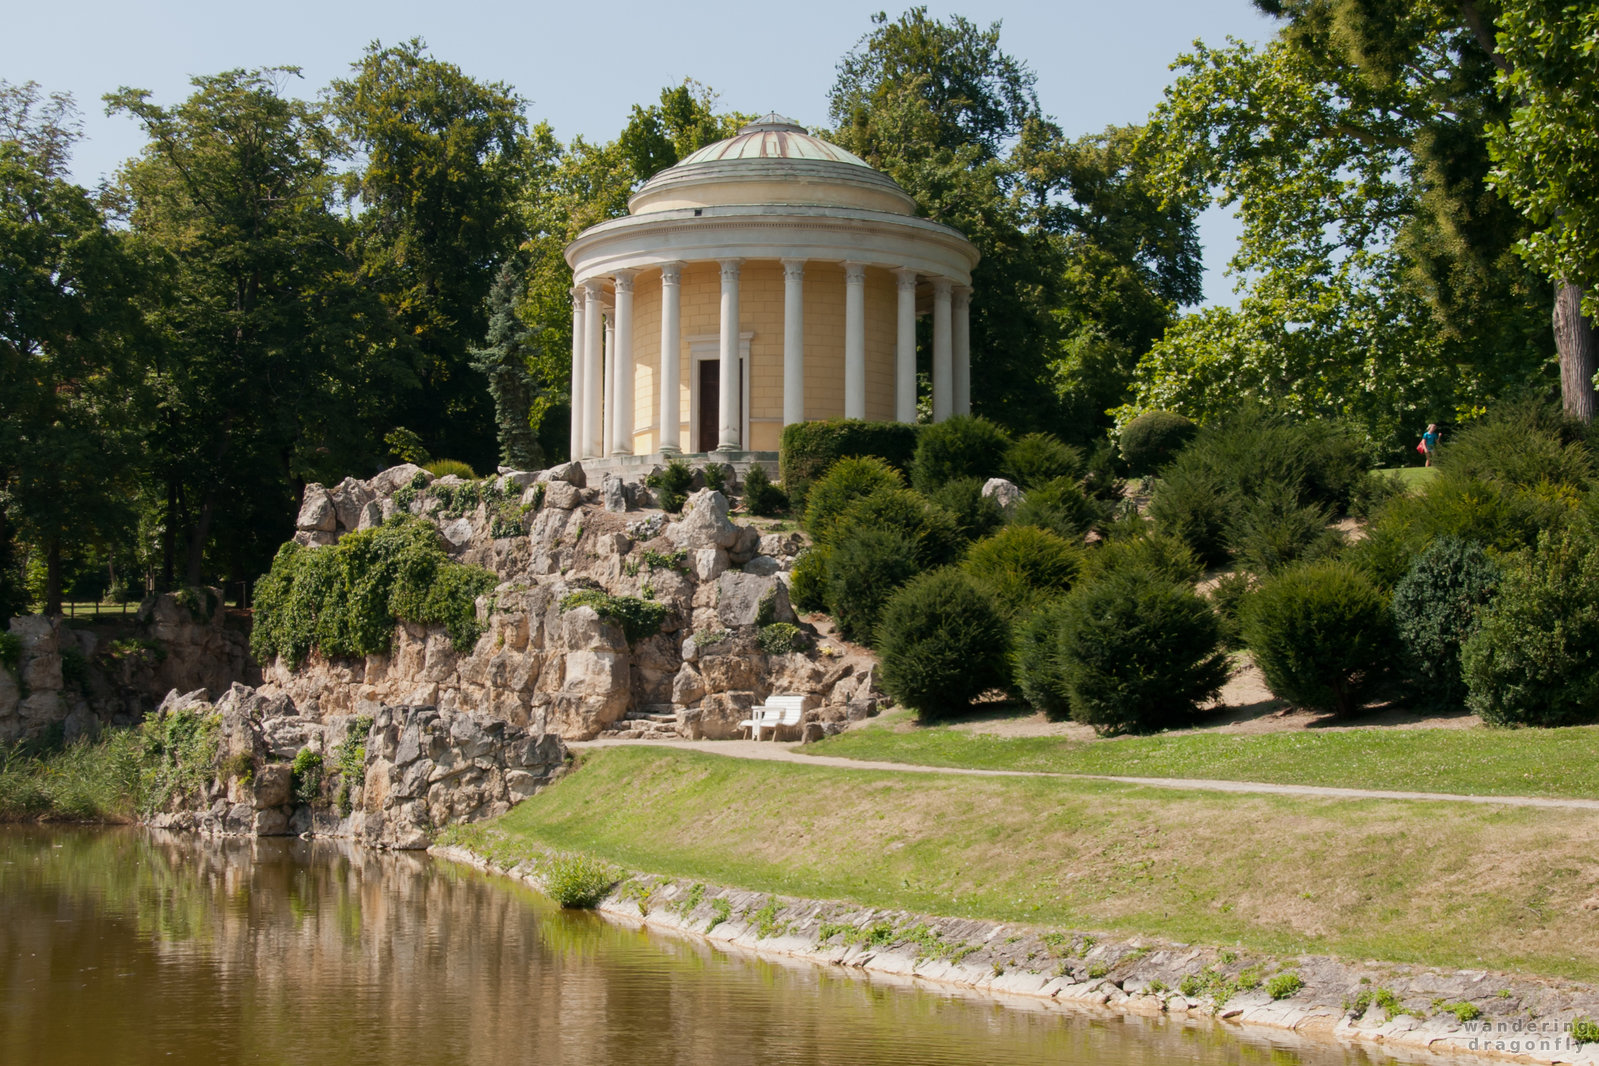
(709, 430)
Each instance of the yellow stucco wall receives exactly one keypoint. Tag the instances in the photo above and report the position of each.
(761, 313)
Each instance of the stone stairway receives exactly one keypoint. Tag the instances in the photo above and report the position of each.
(656, 721)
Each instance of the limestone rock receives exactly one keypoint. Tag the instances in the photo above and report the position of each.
(721, 713)
(763, 566)
(563, 496)
(1002, 492)
(709, 563)
(371, 515)
(752, 599)
(350, 498)
(568, 473)
(317, 511)
(396, 478)
(705, 523)
(688, 687)
(271, 785)
(781, 545)
(614, 493)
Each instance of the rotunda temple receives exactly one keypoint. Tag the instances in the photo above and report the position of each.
(766, 279)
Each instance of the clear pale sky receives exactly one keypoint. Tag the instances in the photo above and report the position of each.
(583, 65)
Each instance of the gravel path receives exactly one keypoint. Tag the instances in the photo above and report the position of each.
(774, 752)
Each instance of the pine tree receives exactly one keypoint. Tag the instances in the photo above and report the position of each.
(504, 360)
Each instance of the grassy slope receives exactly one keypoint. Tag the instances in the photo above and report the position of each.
(1451, 885)
(1487, 762)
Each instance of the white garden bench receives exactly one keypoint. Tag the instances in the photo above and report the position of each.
(776, 711)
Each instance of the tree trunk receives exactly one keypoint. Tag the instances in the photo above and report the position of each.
(52, 577)
(1577, 341)
(169, 535)
(202, 530)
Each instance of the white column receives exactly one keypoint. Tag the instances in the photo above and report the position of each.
(963, 349)
(793, 341)
(622, 418)
(609, 429)
(729, 434)
(670, 437)
(593, 370)
(576, 435)
(854, 340)
(943, 362)
(905, 349)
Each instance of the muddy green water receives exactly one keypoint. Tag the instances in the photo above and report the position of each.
(126, 947)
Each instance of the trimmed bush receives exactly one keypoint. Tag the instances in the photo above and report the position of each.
(1534, 656)
(963, 446)
(1022, 567)
(1436, 608)
(845, 482)
(809, 450)
(1061, 507)
(1273, 531)
(807, 584)
(976, 515)
(1039, 458)
(864, 569)
(1154, 553)
(931, 530)
(1153, 439)
(447, 467)
(942, 644)
(1035, 654)
(345, 600)
(761, 497)
(1320, 633)
(1194, 505)
(1131, 652)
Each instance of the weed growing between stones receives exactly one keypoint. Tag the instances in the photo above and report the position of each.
(721, 911)
(577, 882)
(1283, 985)
(638, 618)
(305, 775)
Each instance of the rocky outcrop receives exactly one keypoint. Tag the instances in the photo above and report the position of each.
(391, 779)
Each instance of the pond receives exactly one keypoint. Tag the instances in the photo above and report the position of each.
(123, 946)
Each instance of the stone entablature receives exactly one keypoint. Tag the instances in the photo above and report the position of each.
(767, 279)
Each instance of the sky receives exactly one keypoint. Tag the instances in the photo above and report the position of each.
(582, 66)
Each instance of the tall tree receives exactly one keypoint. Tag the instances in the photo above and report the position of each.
(508, 358)
(67, 348)
(441, 162)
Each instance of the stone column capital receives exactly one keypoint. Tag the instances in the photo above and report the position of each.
(671, 273)
(730, 269)
(907, 278)
(793, 269)
(943, 287)
(962, 293)
(623, 280)
(854, 273)
(594, 288)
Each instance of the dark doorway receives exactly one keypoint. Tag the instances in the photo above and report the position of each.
(710, 385)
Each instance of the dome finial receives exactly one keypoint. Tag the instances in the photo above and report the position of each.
(773, 122)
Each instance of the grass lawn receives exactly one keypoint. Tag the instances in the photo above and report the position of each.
(1480, 762)
(1454, 885)
(1414, 477)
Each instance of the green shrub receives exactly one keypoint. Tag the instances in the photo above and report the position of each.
(1373, 491)
(671, 485)
(761, 497)
(1534, 656)
(638, 618)
(963, 446)
(1102, 478)
(1130, 652)
(1035, 654)
(1194, 505)
(1521, 445)
(577, 882)
(1156, 553)
(931, 530)
(1039, 458)
(942, 644)
(976, 515)
(809, 450)
(716, 475)
(448, 467)
(1584, 1031)
(1061, 507)
(1436, 608)
(1283, 985)
(345, 600)
(864, 569)
(780, 638)
(1022, 567)
(1227, 597)
(240, 766)
(1153, 439)
(1320, 633)
(846, 481)
(305, 776)
(1273, 531)
(807, 580)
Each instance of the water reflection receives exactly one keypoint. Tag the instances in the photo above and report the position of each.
(124, 947)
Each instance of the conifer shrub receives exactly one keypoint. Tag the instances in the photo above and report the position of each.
(1060, 506)
(1102, 474)
(1022, 567)
(1521, 445)
(761, 497)
(1144, 549)
(672, 485)
(963, 446)
(1039, 458)
(1533, 659)
(1036, 662)
(976, 515)
(846, 481)
(864, 568)
(1321, 633)
(1436, 607)
(1227, 598)
(1153, 439)
(1195, 505)
(1132, 652)
(1274, 530)
(807, 579)
(942, 644)
(450, 467)
(932, 531)
(345, 600)
(809, 450)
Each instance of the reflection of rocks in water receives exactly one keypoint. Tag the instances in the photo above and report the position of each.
(318, 951)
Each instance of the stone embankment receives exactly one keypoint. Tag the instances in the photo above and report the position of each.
(1464, 1013)
(728, 639)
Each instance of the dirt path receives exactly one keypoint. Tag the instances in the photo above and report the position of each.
(774, 752)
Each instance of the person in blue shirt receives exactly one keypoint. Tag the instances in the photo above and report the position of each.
(1429, 442)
